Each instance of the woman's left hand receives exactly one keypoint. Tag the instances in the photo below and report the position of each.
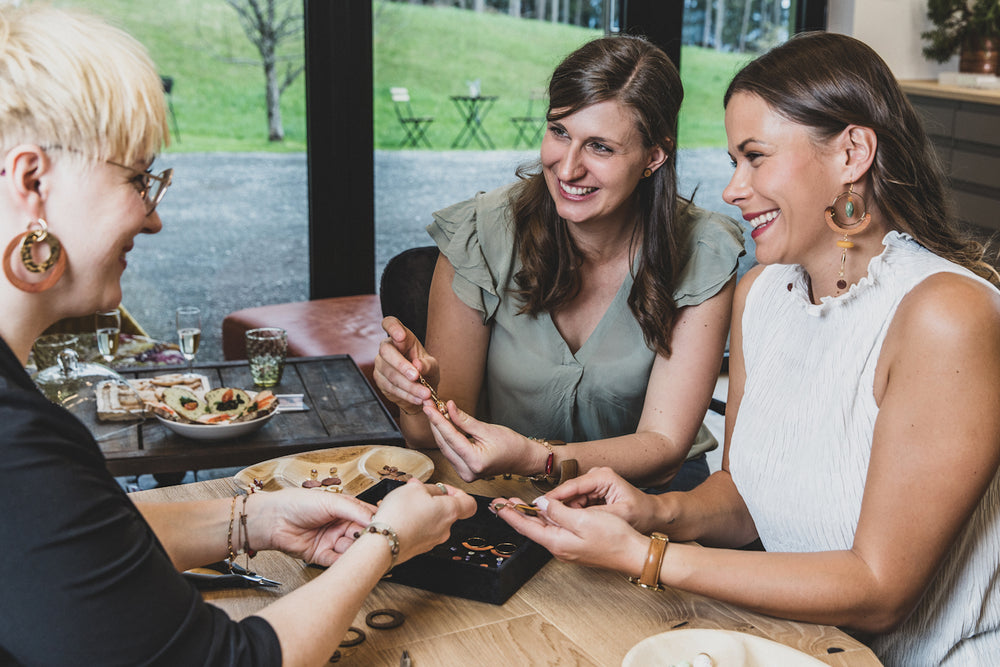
(589, 535)
(305, 523)
(477, 449)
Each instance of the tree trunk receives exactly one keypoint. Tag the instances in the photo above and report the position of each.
(745, 25)
(554, 18)
(478, 5)
(275, 129)
(514, 8)
(720, 22)
(706, 35)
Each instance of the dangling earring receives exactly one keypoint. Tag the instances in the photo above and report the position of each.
(855, 222)
(54, 264)
(647, 172)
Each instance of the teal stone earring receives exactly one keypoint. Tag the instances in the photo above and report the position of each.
(846, 223)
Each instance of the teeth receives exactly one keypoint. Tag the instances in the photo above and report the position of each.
(571, 190)
(764, 218)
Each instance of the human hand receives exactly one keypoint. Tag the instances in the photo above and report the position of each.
(587, 535)
(400, 363)
(421, 515)
(603, 489)
(478, 449)
(308, 524)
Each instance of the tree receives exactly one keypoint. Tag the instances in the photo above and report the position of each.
(267, 31)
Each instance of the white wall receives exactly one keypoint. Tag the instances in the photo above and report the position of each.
(892, 28)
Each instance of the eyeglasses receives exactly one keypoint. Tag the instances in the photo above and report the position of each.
(151, 186)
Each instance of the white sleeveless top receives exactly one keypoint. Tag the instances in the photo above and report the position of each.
(802, 440)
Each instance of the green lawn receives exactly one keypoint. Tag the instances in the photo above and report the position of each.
(218, 92)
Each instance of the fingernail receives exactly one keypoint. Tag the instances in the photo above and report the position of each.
(412, 375)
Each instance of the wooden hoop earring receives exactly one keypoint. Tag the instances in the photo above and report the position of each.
(54, 264)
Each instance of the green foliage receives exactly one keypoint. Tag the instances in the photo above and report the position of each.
(957, 21)
(218, 92)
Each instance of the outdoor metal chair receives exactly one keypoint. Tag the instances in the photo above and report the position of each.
(530, 126)
(414, 126)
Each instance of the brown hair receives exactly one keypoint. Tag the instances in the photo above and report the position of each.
(826, 81)
(639, 76)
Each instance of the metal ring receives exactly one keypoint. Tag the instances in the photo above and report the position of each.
(444, 489)
(359, 636)
(395, 615)
(477, 544)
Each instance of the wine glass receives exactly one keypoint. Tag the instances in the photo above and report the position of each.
(108, 326)
(189, 332)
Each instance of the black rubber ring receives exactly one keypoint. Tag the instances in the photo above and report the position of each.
(394, 614)
(359, 636)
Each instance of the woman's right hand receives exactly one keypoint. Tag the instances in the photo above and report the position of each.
(602, 488)
(401, 361)
(422, 515)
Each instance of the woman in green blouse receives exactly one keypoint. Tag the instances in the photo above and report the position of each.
(587, 302)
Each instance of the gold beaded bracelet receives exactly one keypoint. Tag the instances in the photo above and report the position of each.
(383, 529)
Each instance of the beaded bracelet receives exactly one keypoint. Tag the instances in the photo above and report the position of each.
(229, 535)
(382, 529)
(551, 458)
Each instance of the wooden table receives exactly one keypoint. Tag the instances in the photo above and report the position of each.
(566, 614)
(343, 410)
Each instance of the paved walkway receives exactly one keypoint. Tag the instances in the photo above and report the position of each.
(235, 228)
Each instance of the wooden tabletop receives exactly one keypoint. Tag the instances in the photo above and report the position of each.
(565, 614)
(342, 410)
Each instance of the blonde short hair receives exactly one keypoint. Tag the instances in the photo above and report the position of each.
(71, 80)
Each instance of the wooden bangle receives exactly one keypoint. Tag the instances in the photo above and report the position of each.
(650, 577)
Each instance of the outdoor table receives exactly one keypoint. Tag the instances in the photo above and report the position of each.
(565, 614)
(473, 110)
(342, 410)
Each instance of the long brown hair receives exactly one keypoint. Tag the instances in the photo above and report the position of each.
(826, 81)
(639, 76)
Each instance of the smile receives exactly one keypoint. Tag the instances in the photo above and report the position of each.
(763, 218)
(576, 191)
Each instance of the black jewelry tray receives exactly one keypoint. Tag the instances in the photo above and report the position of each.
(473, 574)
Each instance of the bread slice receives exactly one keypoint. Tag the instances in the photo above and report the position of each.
(184, 402)
(228, 401)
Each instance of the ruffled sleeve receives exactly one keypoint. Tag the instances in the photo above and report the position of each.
(714, 246)
(475, 235)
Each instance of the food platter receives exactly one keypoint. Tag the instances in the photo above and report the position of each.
(358, 468)
(224, 431)
(724, 647)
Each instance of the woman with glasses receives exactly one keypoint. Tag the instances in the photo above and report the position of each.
(586, 304)
(91, 577)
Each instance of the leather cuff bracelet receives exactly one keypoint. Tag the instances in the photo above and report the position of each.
(650, 577)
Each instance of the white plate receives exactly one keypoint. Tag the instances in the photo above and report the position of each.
(215, 431)
(725, 647)
(357, 466)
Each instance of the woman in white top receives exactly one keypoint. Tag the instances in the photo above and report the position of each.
(863, 429)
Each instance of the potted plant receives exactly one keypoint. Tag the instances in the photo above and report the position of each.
(968, 27)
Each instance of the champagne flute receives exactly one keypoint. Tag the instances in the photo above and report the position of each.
(108, 326)
(189, 332)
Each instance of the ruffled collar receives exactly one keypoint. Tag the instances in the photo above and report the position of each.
(799, 287)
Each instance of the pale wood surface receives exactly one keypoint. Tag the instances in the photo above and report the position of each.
(565, 615)
(932, 88)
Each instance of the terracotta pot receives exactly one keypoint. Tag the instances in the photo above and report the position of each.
(979, 55)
